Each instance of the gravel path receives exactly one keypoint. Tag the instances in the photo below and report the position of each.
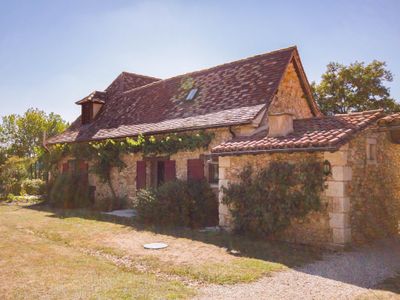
(338, 276)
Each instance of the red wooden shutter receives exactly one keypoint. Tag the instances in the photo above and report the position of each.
(65, 167)
(83, 166)
(83, 171)
(195, 169)
(170, 170)
(140, 174)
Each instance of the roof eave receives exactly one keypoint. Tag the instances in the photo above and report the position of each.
(283, 150)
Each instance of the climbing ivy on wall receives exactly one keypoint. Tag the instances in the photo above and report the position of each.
(265, 203)
(107, 154)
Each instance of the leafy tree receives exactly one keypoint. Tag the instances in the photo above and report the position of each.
(353, 88)
(23, 135)
(12, 173)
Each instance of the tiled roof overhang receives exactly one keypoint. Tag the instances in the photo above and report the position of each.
(313, 134)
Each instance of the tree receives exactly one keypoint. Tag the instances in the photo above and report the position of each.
(22, 135)
(357, 87)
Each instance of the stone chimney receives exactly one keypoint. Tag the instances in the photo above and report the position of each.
(280, 124)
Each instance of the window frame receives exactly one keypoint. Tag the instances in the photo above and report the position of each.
(371, 151)
(213, 161)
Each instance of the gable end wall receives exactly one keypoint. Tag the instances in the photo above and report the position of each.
(290, 96)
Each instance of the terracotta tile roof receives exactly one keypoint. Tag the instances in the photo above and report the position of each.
(390, 120)
(161, 106)
(319, 133)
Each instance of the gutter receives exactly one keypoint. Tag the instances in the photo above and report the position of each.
(286, 150)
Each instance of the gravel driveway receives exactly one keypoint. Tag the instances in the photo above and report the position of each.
(338, 276)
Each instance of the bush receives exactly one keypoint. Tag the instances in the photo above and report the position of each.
(12, 173)
(265, 203)
(33, 186)
(69, 191)
(177, 203)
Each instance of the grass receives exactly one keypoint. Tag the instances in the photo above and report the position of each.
(34, 268)
(80, 254)
(386, 290)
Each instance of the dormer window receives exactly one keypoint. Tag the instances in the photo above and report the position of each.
(192, 93)
(91, 105)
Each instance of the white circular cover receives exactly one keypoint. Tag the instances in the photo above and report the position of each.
(155, 246)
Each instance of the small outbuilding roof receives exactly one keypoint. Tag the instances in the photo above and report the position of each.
(326, 133)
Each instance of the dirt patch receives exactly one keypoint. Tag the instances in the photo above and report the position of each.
(179, 250)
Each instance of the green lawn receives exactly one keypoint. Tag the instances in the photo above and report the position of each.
(79, 254)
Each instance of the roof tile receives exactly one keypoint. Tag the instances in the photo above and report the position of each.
(315, 133)
(229, 94)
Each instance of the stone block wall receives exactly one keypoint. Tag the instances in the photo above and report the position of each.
(124, 181)
(314, 229)
(290, 97)
(361, 201)
(374, 191)
(337, 195)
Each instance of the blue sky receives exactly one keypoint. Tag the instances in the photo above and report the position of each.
(53, 53)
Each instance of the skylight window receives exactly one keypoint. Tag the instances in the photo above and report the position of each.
(192, 93)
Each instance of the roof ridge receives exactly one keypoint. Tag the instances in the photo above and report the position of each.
(250, 58)
(139, 75)
(365, 112)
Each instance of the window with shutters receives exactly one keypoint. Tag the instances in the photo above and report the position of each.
(161, 170)
(77, 167)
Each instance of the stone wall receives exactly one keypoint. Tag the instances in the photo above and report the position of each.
(290, 97)
(374, 191)
(124, 181)
(361, 201)
(314, 229)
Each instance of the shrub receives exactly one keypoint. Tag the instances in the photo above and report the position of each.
(266, 202)
(69, 191)
(205, 209)
(33, 186)
(177, 203)
(12, 173)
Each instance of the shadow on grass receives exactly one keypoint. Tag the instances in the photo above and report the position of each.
(288, 254)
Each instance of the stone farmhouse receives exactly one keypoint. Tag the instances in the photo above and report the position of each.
(260, 109)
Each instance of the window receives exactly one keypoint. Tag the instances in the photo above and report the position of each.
(192, 93)
(371, 151)
(87, 113)
(161, 170)
(213, 170)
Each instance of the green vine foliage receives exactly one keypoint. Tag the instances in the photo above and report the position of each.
(107, 154)
(264, 204)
